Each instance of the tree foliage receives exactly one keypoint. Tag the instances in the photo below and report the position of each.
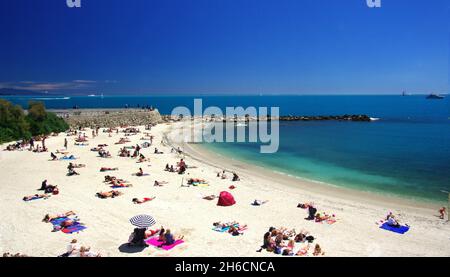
(14, 124)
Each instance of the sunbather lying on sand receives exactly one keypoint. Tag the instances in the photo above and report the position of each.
(159, 183)
(121, 185)
(221, 225)
(78, 165)
(65, 157)
(137, 201)
(237, 230)
(36, 196)
(322, 217)
(103, 169)
(210, 197)
(113, 180)
(81, 144)
(196, 181)
(48, 217)
(259, 202)
(108, 194)
(123, 141)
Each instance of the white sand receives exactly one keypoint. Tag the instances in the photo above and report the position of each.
(184, 212)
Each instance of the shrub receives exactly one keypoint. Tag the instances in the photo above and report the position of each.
(14, 124)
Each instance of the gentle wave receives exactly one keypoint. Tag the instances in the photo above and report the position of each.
(51, 98)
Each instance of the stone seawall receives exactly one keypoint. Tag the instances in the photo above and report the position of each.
(109, 117)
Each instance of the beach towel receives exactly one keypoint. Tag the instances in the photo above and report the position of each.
(67, 158)
(154, 241)
(226, 229)
(202, 185)
(75, 228)
(398, 230)
(34, 198)
(58, 221)
(145, 174)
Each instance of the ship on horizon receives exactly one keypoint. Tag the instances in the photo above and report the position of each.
(435, 96)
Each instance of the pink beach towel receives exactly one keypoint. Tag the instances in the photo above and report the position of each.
(154, 241)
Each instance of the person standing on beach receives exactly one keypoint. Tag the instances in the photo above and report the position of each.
(65, 143)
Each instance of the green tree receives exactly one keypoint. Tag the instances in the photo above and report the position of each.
(13, 124)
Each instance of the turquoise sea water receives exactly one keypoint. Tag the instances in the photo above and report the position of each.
(406, 152)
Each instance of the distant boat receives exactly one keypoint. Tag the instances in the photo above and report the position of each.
(435, 96)
(92, 95)
(405, 94)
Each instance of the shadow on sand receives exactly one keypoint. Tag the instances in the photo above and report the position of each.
(125, 248)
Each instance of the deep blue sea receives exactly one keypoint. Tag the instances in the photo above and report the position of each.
(406, 152)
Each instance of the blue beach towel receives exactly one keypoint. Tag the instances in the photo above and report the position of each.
(225, 229)
(58, 221)
(34, 198)
(398, 230)
(67, 158)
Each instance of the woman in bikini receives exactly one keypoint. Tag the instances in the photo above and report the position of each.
(48, 217)
(137, 201)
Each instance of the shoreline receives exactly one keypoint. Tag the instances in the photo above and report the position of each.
(201, 154)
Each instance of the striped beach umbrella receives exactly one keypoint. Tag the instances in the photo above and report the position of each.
(142, 221)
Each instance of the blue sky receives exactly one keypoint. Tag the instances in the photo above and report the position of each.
(225, 46)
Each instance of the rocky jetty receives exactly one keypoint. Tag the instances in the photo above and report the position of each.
(109, 118)
(359, 117)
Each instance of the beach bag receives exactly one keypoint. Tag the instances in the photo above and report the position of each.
(226, 199)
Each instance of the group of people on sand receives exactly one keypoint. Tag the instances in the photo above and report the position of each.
(223, 175)
(67, 222)
(74, 249)
(30, 144)
(139, 235)
(104, 153)
(180, 167)
(117, 182)
(275, 241)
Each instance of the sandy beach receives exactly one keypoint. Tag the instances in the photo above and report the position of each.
(182, 209)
